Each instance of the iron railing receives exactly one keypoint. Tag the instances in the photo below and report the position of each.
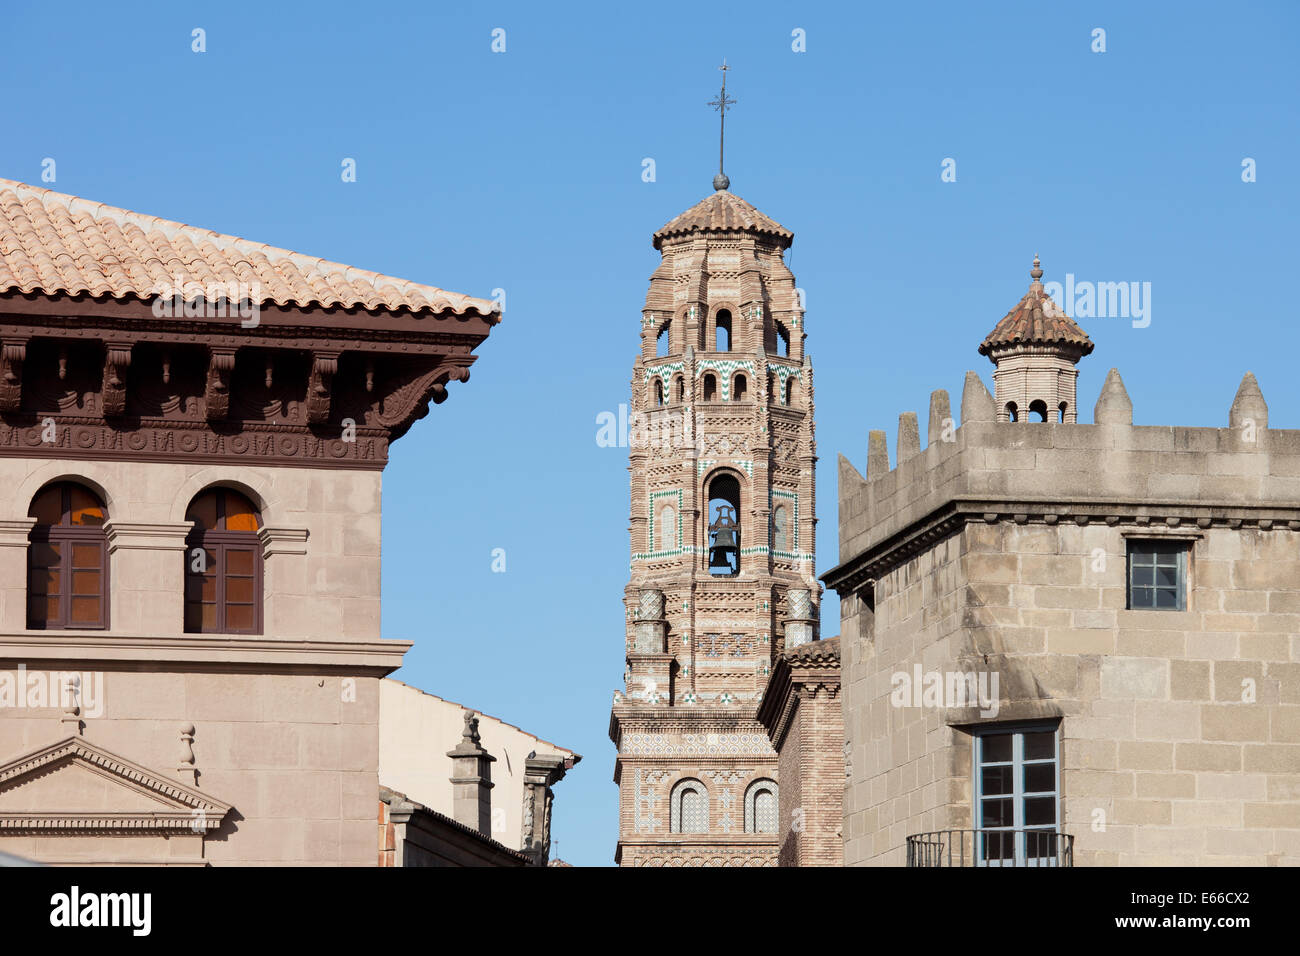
(1006, 847)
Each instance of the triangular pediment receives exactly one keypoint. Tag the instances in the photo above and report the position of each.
(74, 785)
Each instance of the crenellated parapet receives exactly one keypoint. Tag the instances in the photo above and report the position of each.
(1111, 471)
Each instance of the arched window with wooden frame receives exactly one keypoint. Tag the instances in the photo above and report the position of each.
(223, 564)
(67, 560)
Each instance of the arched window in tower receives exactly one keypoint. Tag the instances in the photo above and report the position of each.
(664, 341)
(223, 564)
(666, 538)
(791, 393)
(724, 525)
(679, 388)
(739, 386)
(780, 540)
(67, 559)
(761, 807)
(1060, 411)
(1012, 412)
(659, 392)
(689, 808)
(710, 387)
(1038, 408)
(722, 331)
(782, 341)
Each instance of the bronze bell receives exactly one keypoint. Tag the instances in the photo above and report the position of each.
(726, 540)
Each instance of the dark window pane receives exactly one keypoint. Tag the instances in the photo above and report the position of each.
(995, 747)
(1165, 598)
(1040, 811)
(43, 582)
(239, 590)
(241, 515)
(38, 610)
(997, 813)
(1143, 598)
(85, 582)
(998, 846)
(1040, 777)
(1040, 745)
(193, 616)
(86, 555)
(1167, 577)
(45, 555)
(995, 781)
(47, 507)
(203, 511)
(239, 617)
(85, 610)
(86, 510)
(239, 561)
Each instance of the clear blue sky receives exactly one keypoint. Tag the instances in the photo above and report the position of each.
(522, 171)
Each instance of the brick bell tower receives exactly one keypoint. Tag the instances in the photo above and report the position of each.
(722, 525)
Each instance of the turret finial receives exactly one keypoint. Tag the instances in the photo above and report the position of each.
(1036, 273)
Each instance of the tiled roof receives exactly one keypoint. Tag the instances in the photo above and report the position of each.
(54, 243)
(723, 212)
(1037, 320)
(823, 651)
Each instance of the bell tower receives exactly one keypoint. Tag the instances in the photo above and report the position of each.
(722, 523)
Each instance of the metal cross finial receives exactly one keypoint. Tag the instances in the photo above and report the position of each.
(720, 103)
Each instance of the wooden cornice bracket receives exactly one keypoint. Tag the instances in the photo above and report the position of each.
(117, 359)
(216, 394)
(13, 352)
(324, 365)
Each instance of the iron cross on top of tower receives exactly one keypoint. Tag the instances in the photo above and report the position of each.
(720, 103)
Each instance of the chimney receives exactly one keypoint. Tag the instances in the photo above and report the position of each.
(471, 779)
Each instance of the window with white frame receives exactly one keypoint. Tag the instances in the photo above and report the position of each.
(1017, 794)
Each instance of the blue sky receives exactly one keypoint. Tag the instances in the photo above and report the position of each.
(522, 170)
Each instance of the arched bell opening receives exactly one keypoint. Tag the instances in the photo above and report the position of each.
(724, 531)
(1038, 410)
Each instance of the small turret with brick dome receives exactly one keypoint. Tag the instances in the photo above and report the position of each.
(1034, 350)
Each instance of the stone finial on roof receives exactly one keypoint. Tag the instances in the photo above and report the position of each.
(1248, 407)
(1036, 273)
(1113, 407)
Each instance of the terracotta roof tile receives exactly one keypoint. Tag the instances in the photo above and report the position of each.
(54, 243)
(1037, 320)
(723, 212)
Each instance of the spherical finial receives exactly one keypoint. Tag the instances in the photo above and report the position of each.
(721, 182)
(1036, 272)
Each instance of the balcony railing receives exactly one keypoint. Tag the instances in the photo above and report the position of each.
(990, 848)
